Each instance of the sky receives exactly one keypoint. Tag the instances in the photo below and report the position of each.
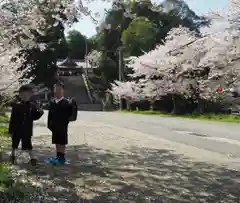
(86, 26)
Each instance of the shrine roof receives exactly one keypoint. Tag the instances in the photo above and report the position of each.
(73, 63)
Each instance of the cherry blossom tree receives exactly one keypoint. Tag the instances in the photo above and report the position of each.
(22, 24)
(94, 57)
(229, 14)
(191, 70)
(163, 70)
(130, 91)
(10, 78)
(189, 65)
(21, 19)
(25, 25)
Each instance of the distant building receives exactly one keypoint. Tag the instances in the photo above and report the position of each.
(75, 74)
(75, 67)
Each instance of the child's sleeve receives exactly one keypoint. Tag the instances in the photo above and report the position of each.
(72, 110)
(12, 120)
(36, 112)
(49, 122)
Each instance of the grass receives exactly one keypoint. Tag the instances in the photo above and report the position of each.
(4, 139)
(3, 130)
(9, 188)
(5, 177)
(208, 117)
(4, 119)
(14, 186)
(5, 174)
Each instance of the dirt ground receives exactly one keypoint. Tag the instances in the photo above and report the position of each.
(110, 164)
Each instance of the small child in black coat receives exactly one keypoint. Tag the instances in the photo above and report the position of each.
(60, 112)
(24, 112)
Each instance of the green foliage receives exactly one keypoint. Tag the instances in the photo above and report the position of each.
(4, 119)
(77, 44)
(43, 62)
(3, 130)
(104, 75)
(95, 42)
(12, 189)
(9, 187)
(5, 177)
(207, 117)
(3, 125)
(4, 138)
(139, 36)
(146, 29)
(117, 19)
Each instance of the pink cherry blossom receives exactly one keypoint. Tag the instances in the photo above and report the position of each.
(18, 19)
(125, 90)
(189, 65)
(10, 78)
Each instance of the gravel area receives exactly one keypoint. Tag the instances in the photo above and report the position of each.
(116, 164)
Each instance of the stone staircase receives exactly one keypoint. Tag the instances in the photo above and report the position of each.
(76, 87)
(90, 107)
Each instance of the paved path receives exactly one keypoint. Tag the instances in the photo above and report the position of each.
(132, 158)
(217, 137)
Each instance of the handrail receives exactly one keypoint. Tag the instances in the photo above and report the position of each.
(85, 80)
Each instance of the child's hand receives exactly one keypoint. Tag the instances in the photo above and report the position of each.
(41, 110)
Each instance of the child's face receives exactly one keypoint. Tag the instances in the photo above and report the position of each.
(25, 95)
(58, 90)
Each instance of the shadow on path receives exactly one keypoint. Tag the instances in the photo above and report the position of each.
(138, 175)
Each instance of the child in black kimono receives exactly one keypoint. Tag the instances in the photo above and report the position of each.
(60, 112)
(24, 112)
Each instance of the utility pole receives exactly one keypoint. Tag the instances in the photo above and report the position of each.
(85, 71)
(120, 57)
(120, 74)
(86, 53)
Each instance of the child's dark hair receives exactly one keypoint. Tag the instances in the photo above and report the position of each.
(26, 88)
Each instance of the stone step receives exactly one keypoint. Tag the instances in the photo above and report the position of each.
(75, 87)
(79, 96)
(89, 107)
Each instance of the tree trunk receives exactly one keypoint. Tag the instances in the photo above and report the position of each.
(103, 104)
(128, 105)
(174, 105)
(152, 105)
(200, 106)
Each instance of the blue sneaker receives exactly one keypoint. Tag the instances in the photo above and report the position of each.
(52, 159)
(57, 161)
(61, 161)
